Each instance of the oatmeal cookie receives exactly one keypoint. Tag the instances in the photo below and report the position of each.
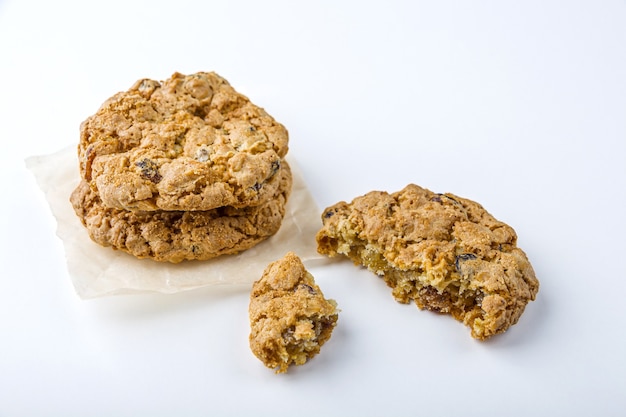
(444, 252)
(174, 236)
(290, 319)
(189, 143)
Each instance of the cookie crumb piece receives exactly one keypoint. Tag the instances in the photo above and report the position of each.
(290, 319)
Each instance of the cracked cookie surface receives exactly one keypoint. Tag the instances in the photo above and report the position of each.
(290, 319)
(190, 142)
(444, 252)
(175, 236)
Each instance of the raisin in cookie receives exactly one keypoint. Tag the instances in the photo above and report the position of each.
(444, 252)
(189, 143)
(290, 319)
(174, 236)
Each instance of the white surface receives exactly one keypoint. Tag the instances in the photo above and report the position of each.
(521, 107)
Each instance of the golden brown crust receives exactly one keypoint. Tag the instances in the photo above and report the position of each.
(174, 236)
(189, 143)
(444, 252)
(290, 319)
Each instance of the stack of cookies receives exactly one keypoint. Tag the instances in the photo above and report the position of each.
(184, 169)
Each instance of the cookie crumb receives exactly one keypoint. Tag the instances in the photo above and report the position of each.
(290, 319)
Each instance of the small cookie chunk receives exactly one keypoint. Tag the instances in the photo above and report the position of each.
(290, 319)
(189, 143)
(444, 252)
(174, 236)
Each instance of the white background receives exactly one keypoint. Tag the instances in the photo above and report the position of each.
(520, 106)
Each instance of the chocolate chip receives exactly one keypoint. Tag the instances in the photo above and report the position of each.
(149, 170)
(275, 168)
(309, 289)
(462, 257)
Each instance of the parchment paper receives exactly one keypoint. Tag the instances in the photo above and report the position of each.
(100, 271)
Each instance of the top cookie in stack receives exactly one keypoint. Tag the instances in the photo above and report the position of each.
(189, 143)
(190, 146)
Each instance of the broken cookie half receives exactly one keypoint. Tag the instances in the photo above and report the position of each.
(290, 319)
(446, 253)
